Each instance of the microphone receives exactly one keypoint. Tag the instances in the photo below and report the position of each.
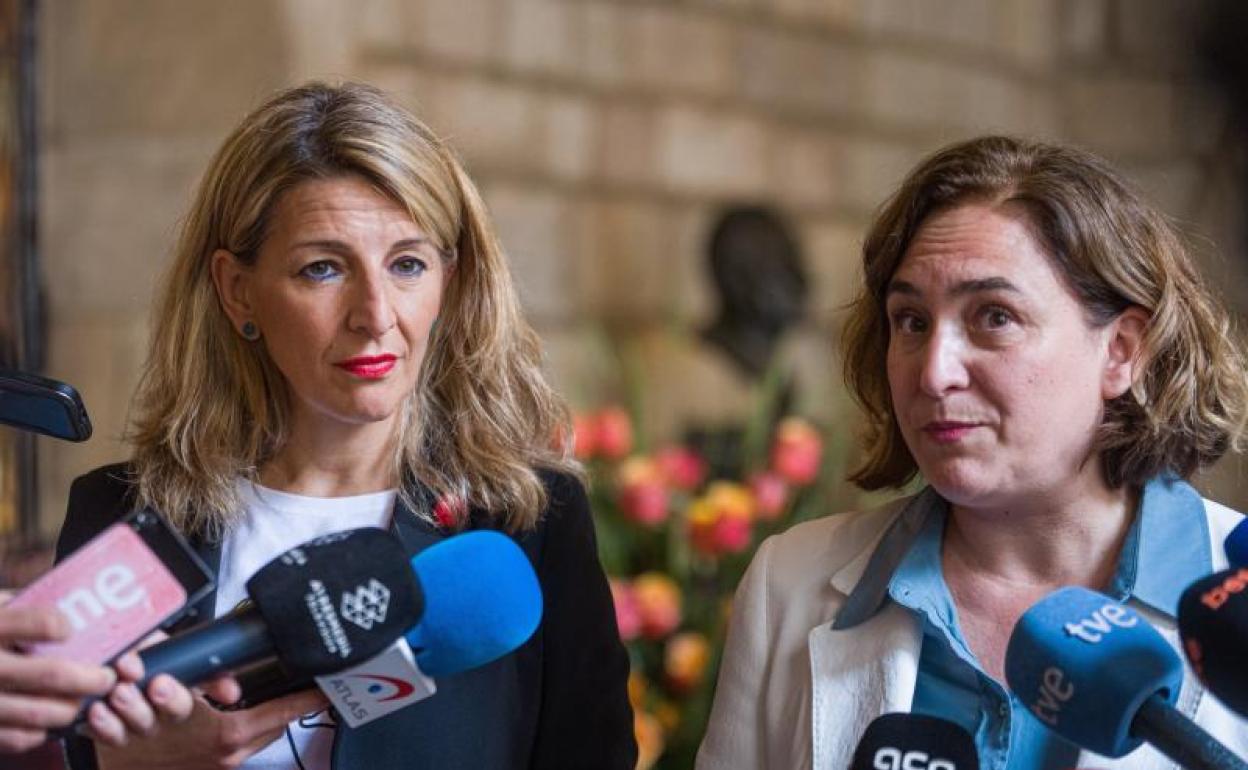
(482, 600)
(1099, 675)
(321, 606)
(1237, 545)
(1213, 624)
(914, 742)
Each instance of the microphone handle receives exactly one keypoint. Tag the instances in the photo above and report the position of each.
(1181, 739)
(226, 644)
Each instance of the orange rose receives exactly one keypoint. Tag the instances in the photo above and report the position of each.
(658, 603)
(685, 659)
(649, 734)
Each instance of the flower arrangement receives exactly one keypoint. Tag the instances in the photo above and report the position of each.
(675, 537)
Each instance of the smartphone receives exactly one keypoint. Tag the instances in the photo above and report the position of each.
(131, 579)
(34, 403)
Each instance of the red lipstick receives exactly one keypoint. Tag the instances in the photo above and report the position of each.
(369, 367)
(948, 432)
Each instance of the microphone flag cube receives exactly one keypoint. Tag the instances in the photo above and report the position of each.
(337, 600)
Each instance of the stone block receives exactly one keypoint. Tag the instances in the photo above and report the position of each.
(605, 55)
(803, 171)
(110, 212)
(100, 354)
(1027, 32)
(543, 36)
(571, 128)
(914, 90)
(628, 151)
(463, 31)
(583, 364)
(536, 232)
(963, 23)
(712, 153)
(672, 49)
(626, 261)
(1084, 27)
(691, 269)
(146, 67)
(386, 24)
(1122, 116)
(833, 257)
(839, 14)
(494, 124)
(786, 69)
(1176, 187)
(1159, 33)
(867, 171)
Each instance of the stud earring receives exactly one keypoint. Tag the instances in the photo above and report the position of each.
(250, 331)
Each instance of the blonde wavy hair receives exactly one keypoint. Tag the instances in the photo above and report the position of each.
(211, 408)
(1186, 407)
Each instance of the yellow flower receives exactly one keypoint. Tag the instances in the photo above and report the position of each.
(637, 687)
(731, 499)
(685, 659)
(649, 734)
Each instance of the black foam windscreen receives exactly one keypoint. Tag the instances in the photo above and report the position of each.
(1213, 624)
(338, 600)
(902, 741)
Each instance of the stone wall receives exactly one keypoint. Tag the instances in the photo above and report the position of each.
(606, 135)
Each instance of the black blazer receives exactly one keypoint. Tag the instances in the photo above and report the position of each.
(559, 701)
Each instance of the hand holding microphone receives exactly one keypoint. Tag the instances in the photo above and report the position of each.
(38, 694)
(1099, 675)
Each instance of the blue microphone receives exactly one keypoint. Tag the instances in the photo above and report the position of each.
(1095, 672)
(1237, 545)
(482, 600)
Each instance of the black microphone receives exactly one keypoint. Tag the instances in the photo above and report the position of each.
(482, 600)
(914, 742)
(1213, 624)
(320, 607)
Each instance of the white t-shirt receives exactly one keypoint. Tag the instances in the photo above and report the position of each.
(274, 522)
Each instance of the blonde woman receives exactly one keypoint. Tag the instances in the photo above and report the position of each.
(339, 344)
(1033, 340)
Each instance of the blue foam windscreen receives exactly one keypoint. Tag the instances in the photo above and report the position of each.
(1237, 545)
(1084, 664)
(482, 600)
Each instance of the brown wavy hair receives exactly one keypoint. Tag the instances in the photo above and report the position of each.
(211, 408)
(1186, 407)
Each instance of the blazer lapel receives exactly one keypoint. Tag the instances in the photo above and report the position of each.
(858, 674)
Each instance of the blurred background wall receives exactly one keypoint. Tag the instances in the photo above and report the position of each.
(607, 135)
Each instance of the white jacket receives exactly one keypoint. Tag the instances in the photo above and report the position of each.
(795, 694)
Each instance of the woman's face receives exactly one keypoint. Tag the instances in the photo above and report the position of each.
(997, 380)
(344, 292)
